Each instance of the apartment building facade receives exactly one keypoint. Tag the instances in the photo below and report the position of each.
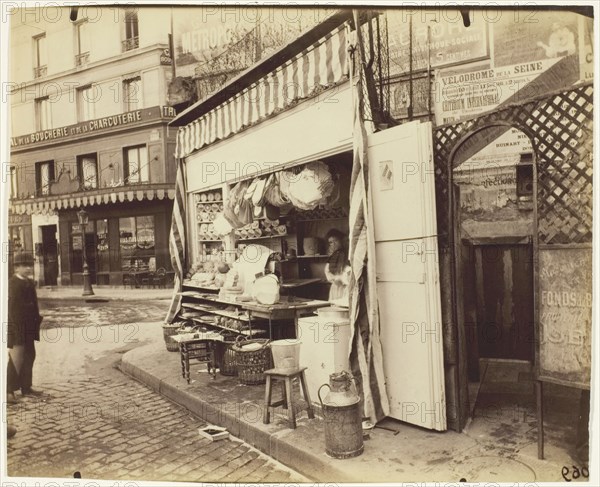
(88, 130)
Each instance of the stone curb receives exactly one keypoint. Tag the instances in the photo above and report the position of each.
(275, 445)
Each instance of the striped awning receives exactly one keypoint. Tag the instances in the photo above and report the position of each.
(50, 204)
(322, 65)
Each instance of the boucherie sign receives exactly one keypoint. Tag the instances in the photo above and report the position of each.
(95, 125)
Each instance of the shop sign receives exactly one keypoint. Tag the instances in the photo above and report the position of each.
(15, 219)
(77, 242)
(102, 244)
(165, 58)
(96, 125)
(145, 238)
(450, 42)
(128, 243)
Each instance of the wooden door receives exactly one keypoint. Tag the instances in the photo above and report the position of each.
(403, 203)
(504, 301)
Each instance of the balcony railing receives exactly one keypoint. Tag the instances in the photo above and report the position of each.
(82, 59)
(131, 43)
(40, 71)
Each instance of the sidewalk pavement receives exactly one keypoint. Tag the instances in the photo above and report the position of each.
(104, 292)
(498, 446)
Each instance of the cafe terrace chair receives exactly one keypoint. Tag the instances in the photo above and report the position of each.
(129, 278)
(160, 278)
(148, 279)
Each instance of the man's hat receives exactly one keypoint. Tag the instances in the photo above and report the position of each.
(23, 258)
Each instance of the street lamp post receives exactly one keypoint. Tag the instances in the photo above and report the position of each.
(87, 285)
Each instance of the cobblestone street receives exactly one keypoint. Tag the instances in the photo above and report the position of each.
(115, 428)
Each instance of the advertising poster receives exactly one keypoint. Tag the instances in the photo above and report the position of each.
(399, 98)
(203, 34)
(566, 315)
(463, 94)
(450, 42)
(524, 36)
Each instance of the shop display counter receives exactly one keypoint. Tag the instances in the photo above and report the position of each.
(244, 317)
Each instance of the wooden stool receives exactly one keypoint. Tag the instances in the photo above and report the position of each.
(199, 349)
(286, 390)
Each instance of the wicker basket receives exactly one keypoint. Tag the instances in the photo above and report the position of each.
(168, 331)
(251, 364)
(225, 356)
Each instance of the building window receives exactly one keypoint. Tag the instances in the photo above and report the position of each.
(132, 39)
(85, 103)
(44, 175)
(43, 114)
(40, 67)
(132, 93)
(82, 43)
(87, 171)
(136, 241)
(136, 165)
(14, 188)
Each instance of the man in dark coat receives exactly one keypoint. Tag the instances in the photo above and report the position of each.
(23, 327)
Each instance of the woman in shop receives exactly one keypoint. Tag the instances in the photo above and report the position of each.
(337, 270)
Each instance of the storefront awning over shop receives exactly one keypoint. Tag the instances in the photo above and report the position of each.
(320, 66)
(91, 198)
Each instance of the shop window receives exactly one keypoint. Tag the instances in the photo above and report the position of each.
(132, 37)
(44, 175)
(102, 246)
(136, 164)
(16, 238)
(87, 171)
(43, 114)
(14, 188)
(40, 67)
(132, 93)
(76, 247)
(136, 241)
(86, 98)
(82, 43)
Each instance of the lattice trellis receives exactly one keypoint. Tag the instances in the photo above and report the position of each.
(560, 127)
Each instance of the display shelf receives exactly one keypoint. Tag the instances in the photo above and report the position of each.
(302, 220)
(262, 237)
(189, 283)
(239, 332)
(210, 240)
(315, 256)
(218, 312)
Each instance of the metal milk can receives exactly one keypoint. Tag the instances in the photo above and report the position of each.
(343, 419)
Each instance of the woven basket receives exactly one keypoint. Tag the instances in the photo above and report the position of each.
(225, 357)
(168, 332)
(224, 354)
(251, 364)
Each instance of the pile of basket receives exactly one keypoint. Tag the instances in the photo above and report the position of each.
(170, 329)
(225, 355)
(252, 358)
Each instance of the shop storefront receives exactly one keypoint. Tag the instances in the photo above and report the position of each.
(505, 197)
(132, 237)
(264, 171)
(19, 236)
(118, 170)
